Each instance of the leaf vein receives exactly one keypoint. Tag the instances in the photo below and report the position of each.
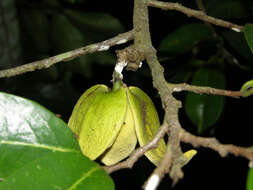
(84, 176)
(53, 148)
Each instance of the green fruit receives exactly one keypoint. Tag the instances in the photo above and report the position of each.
(108, 123)
(147, 122)
(247, 89)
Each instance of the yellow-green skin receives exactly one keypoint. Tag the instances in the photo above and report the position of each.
(146, 122)
(109, 122)
(247, 89)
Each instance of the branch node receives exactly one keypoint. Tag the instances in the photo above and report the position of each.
(131, 57)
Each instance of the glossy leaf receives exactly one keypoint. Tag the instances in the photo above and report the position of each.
(185, 38)
(205, 110)
(250, 180)
(38, 151)
(248, 33)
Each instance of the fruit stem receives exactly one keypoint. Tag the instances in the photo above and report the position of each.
(117, 81)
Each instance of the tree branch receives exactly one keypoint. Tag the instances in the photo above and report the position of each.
(45, 63)
(158, 174)
(121, 38)
(214, 144)
(143, 44)
(203, 90)
(194, 13)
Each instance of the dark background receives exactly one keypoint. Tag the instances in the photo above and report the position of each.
(59, 92)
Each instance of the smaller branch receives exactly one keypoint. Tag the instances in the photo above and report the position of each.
(194, 13)
(167, 166)
(158, 174)
(220, 43)
(204, 90)
(214, 144)
(130, 56)
(46, 63)
(139, 152)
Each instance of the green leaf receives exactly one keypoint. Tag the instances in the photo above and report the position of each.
(98, 26)
(205, 110)
(185, 38)
(66, 37)
(238, 43)
(250, 179)
(248, 34)
(38, 151)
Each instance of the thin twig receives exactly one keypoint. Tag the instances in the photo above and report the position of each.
(220, 43)
(139, 152)
(214, 144)
(204, 90)
(195, 13)
(158, 174)
(121, 38)
(48, 62)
